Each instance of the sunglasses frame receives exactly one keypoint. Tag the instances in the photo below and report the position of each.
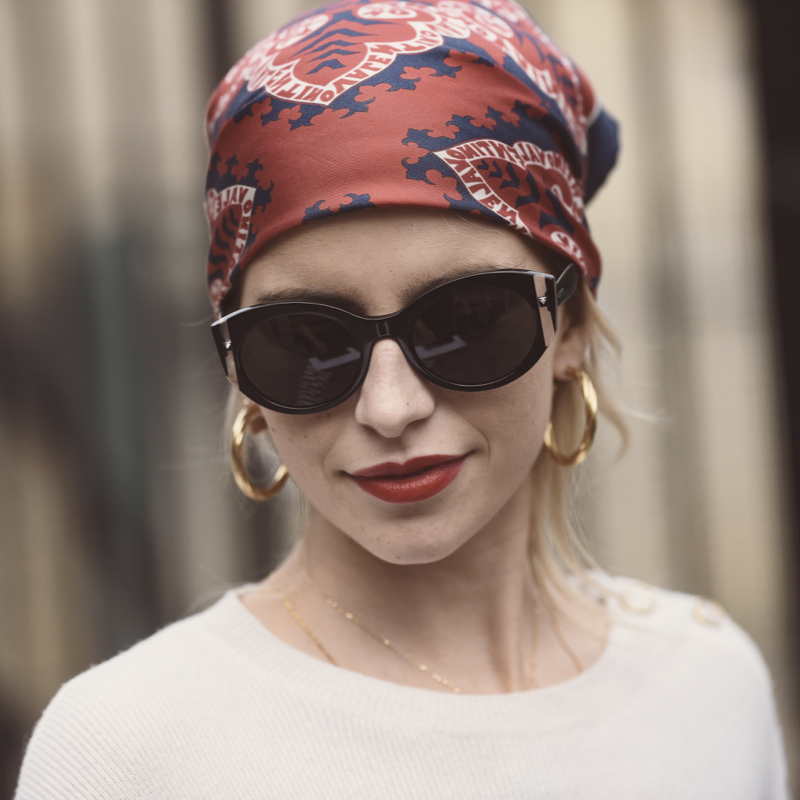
(544, 292)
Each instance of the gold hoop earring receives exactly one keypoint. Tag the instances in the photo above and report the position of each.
(590, 403)
(251, 417)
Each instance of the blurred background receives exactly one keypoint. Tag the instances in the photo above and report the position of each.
(117, 514)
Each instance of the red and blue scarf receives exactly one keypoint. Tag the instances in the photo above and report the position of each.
(446, 104)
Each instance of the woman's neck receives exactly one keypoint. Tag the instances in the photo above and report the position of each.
(475, 617)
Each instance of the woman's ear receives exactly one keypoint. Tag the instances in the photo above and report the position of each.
(572, 342)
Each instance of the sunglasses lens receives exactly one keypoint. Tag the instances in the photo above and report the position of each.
(301, 360)
(475, 335)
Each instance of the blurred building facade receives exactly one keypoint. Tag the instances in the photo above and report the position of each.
(116, 512)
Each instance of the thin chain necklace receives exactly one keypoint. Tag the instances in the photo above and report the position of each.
(378, 638)
(287, 604)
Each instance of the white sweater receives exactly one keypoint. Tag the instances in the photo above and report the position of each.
(217, 707)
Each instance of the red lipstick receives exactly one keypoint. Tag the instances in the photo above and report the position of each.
(415, 480)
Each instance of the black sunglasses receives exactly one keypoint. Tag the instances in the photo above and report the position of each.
(469, 334)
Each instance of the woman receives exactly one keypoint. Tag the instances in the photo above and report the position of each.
(403, 278)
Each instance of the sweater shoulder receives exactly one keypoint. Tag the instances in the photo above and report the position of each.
(689, 633)
(154, 665)
(112, 719)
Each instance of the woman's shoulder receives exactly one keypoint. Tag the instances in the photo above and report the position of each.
(687, 637)
(672, 613)
(130, 709)
(667, 615)
(176, 654)
(686, 691)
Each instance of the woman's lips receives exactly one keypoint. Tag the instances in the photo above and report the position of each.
(415, 480)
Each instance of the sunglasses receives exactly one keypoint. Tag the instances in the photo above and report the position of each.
(470, 334)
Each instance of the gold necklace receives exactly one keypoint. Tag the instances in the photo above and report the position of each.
(378, 638)
(287, 604)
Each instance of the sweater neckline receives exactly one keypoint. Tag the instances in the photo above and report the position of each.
(594, 692)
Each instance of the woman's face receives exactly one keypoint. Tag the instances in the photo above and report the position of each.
(478, 446)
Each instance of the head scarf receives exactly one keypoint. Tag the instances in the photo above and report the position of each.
(444, 104)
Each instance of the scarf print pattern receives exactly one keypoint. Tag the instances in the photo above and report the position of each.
(445, 104)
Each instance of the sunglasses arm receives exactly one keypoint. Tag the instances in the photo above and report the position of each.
(566, 283)
(552, 292)
(219, 330)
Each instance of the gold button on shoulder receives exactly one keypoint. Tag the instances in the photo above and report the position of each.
(638, 598)
(708, 612)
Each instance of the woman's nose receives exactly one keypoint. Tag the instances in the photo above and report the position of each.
(393, 394)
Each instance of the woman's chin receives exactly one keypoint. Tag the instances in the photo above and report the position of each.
(405, 548)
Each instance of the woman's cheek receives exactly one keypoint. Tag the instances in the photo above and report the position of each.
(513, 419)
(300, 442)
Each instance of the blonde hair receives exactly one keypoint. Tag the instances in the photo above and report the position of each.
(557, 549)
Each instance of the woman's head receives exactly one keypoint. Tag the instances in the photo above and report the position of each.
(459, 139)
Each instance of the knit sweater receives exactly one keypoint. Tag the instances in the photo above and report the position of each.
(678, 706)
